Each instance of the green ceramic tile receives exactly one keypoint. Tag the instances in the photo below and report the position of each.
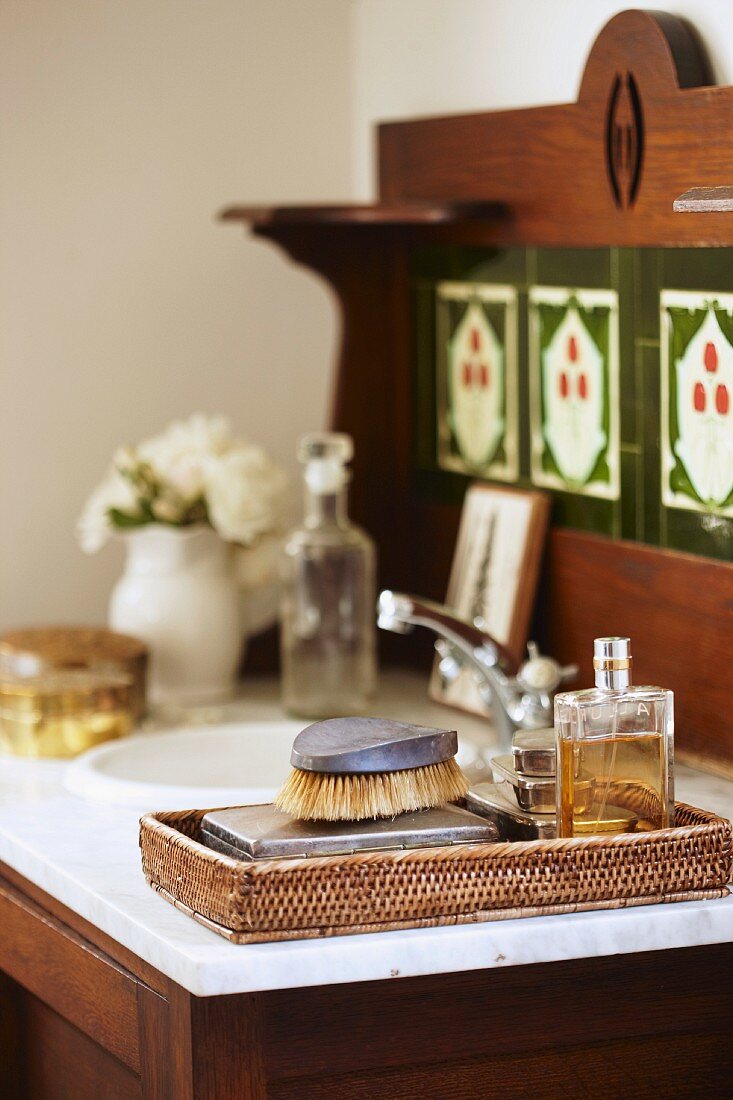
(506, 265)
(523, 374)
(424, 409)
(622, 267)
(696, 420)
(638, 277)
(647, 284)
(586, 514)
(574, 390)
(574, 267)
(476, 388)
(700, 534)
(439, 485)
(707, 269)
(631, 464)
(651, 521)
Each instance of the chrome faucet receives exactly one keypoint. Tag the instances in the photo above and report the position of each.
(518, 700)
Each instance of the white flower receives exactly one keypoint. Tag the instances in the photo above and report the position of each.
(167, 510)
(94, 526)
(245, 494)
(124, 458)
(179, 454)
(195, 470)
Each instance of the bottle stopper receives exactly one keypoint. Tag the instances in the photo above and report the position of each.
(612, 663)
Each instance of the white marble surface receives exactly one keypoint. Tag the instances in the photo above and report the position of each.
(85, 854)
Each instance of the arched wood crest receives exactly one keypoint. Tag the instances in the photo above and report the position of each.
(647, 126)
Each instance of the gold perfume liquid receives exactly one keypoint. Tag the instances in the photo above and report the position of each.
(628, 773)
(620, 736)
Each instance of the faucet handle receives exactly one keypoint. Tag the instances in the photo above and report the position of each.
(542, 675)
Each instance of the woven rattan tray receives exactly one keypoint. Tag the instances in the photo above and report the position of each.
(381, 891)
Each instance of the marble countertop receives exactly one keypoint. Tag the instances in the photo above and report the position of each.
(85, 854)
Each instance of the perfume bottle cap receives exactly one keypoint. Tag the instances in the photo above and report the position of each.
(324, 455)
(612, 663)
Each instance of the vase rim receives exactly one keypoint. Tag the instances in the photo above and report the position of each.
(189, 531)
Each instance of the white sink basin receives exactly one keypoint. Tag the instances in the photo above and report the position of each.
(195, 767)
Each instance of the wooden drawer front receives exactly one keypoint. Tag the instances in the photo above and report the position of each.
(73, 978)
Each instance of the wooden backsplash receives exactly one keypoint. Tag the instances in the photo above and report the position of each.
(601, 173)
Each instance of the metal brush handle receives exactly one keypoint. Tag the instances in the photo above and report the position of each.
(355, 746)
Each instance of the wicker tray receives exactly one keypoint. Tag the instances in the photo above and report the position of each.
(380, 891)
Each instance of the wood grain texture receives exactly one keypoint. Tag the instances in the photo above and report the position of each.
(11, 1037)
(70, 975)
(54, 909)
(365, 214)
(643, 1069)
(227, 1048)
(62, 1063)
(157, 1068)
(678, 610)
(546, 1009)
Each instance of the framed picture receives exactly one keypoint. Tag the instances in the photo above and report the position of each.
(494, 576)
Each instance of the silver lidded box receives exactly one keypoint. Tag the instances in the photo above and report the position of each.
(512, 822)
(262, 832)
(533, 792)
(534, 751)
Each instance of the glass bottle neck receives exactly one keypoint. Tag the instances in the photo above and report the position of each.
(326, 509)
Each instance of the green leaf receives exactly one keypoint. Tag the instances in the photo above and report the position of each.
(124, 519)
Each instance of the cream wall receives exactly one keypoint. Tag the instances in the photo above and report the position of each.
(126, 124)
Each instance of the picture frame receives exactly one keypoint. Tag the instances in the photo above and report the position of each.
(494, 576)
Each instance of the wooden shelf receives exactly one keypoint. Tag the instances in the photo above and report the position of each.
(375, 214)
(704, 200)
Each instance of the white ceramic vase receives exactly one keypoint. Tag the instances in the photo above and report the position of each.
(179, 594)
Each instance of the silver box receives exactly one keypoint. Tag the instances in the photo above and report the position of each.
(262, 832)
(534, 752)
(512, 822)
(536, 793)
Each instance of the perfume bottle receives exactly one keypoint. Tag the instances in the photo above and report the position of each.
(328, 620)
(622, 737)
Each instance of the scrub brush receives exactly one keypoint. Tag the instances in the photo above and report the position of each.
(348, 769)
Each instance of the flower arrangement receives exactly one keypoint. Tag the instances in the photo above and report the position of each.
(195, 472)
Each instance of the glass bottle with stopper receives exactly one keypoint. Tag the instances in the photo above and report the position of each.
(328, 644)
(620, 735)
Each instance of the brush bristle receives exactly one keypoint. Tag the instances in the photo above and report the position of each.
(318, 796)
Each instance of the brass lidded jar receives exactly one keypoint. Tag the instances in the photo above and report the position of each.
(61, 714)
(39, 649)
